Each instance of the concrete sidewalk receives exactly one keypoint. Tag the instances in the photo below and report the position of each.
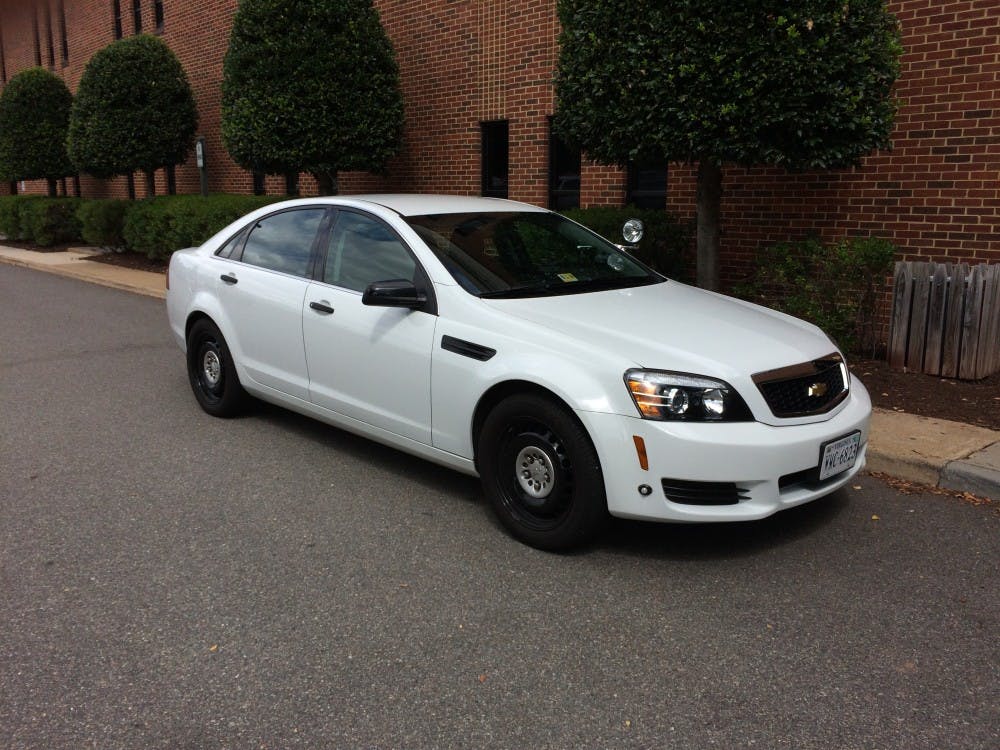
(928, 451)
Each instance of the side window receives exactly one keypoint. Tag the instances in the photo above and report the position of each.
(231, 247)
(363, 250)
(283, 242)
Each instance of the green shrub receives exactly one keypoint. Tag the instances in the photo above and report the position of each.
(102, 223)
(158, 226)
(337, 107)
(34, 117)
(836, 286)
(666, 242)
(133, 110)
(14, 211)
(51, 221)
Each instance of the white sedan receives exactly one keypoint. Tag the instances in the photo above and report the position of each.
(505, 341)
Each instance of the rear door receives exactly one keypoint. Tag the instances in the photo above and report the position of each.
(263, 287)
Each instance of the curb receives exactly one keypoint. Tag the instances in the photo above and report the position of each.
(72, 264)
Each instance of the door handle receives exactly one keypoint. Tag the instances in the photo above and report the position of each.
(228, 279)
(321, 307)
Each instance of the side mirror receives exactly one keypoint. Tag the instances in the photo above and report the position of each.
(393, 293)
(632, 231)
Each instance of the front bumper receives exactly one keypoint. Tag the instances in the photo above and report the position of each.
(752, 455)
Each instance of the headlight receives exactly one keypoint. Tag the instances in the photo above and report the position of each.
(664, 395)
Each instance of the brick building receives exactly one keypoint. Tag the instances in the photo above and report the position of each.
(477, 84)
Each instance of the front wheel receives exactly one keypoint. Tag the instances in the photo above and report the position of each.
(211, 371)
(541, 473)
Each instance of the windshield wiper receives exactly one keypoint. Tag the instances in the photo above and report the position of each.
(525, 290)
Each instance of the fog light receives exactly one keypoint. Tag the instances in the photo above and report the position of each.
(645, 490)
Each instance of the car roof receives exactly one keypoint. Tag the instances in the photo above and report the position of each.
(413, 204)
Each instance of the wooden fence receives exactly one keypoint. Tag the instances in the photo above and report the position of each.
(946, 319)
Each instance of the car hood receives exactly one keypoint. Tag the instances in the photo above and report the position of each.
(672, 326)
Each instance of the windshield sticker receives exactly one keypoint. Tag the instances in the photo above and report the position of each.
(567, 277)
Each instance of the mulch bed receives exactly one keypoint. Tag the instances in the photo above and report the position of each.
(972, 401)
(131, 260)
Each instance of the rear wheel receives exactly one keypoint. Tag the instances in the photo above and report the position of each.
(211, 371)
(541, 473)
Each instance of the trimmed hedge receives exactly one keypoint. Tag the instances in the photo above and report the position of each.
(34, 218)
(158, 226)
(102, 222)
(837, 286)
(666, 242)
(51, 221)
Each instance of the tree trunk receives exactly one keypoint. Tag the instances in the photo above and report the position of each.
(130, 182)
(150, 183)
(709, 200)
(53, 189)
(327, 182)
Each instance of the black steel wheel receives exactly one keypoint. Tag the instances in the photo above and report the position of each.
(541, 473)
(211, 371)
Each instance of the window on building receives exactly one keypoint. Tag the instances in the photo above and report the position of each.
(564, 174)
(495, 154)
(38, 42)
(137, 15)
(116, 10)
(158, 14)
(647, 184)
(258, 182)
(3, 64)
(63, 34)
(48, 32)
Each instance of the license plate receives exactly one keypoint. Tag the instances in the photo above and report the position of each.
(838, 455)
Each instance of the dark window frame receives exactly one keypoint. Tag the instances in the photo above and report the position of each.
(562, 198)
(494, 166)
(643, 195)
(116, 14)
(3, 61)
(38, 39)
(51, 38)
(158, 15)
(137, 15)
(63, 34)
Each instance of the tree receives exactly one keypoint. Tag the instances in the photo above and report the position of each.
(34, 116)
(134, 110)
(803, 85)
(310, 87)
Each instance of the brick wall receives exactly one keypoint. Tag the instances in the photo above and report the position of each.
(466, 61)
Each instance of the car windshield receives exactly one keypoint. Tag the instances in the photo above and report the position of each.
(527, 254)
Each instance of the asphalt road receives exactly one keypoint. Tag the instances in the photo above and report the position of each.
(169, 580)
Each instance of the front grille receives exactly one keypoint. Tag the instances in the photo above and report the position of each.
(801, 390)
(703, 493)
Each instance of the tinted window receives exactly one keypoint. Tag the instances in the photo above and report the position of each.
(283, 242)
(363, 250)
(227, 250)
(526, 254)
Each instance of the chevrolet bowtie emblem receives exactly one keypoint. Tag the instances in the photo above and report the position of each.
(817, 389)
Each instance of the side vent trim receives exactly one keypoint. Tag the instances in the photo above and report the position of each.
(467, 348)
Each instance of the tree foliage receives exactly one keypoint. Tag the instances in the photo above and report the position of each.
(310, 87)
(34, 117)
(803, 84)
(134, 110)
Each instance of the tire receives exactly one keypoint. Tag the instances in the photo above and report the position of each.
(541, 473)
(211, 371)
